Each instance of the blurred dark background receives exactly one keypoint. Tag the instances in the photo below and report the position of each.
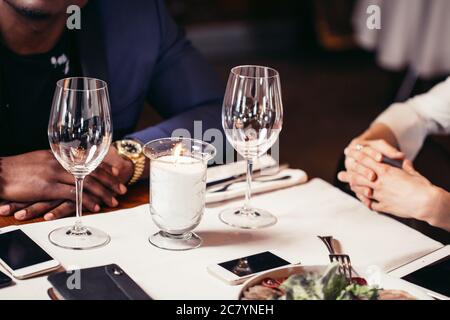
(332, 89)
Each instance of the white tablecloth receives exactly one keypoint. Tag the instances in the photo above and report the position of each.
(304, 212)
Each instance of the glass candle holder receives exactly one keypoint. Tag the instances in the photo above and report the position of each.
(177, 190)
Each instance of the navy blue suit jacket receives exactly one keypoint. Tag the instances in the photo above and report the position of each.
(137, 48)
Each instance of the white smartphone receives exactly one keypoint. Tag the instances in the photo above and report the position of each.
(238, 270)
(22, 257)
(431, 273)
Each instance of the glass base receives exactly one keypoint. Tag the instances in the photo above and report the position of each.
(247, 218)
(78, 237)
(167, 241)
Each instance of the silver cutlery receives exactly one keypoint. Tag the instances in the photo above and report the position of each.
(224, 184)
(227, 186)
(345, 265)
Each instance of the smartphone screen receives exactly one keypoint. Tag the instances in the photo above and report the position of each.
(4, 280)
(435, 277)
(254, 264)
(18, 251)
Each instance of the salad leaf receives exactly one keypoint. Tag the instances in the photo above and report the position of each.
(358, 292)
(331, 286)
(333, 282)
(303, 287)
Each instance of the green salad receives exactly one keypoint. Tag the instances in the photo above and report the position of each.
(313, 286)
(330, 286)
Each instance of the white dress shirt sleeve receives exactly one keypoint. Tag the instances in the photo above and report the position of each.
(418, 117)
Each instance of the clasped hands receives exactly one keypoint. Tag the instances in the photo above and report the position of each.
(403, 192)
(34, 184)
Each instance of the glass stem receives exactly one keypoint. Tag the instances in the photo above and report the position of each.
(248, 192)
(79, 202)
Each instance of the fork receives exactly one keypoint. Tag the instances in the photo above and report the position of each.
(345, 264)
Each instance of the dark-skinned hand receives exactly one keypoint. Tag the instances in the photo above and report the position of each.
(44, 188)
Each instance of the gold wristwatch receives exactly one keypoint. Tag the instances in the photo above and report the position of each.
(132, 150)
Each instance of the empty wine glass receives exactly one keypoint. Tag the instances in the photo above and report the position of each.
(252, 117)
(80, 134)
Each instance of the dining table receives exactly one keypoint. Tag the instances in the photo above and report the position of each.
(304, 211)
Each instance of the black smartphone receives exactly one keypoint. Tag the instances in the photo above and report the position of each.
(4, 280)
(393, 162)
(22, 257)
(238, 270)
(434, 277)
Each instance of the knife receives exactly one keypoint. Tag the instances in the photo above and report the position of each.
(243, 176)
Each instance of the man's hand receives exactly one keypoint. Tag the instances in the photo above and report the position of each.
(117, 166)
(51, 210)
(42, 178)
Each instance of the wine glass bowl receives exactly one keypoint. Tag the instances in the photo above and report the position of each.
(252, 118)
(80, 134)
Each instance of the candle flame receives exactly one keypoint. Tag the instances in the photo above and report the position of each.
(177, 151)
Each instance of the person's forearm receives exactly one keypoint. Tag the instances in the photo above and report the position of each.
(440, 216)
(380, 131)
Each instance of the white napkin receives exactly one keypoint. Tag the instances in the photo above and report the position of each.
(283, 179)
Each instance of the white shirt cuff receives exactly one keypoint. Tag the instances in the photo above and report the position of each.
(408, 127)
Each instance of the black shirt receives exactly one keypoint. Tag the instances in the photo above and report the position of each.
(27, 85)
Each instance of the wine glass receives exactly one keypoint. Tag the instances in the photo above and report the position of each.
(80, 133)
(252, 117)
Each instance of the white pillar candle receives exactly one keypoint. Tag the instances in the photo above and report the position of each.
(177, 192)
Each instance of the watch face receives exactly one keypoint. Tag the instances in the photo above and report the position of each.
(131, 147)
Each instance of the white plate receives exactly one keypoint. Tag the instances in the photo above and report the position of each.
(383, 280)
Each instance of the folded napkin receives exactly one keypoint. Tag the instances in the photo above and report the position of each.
(264, 183)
